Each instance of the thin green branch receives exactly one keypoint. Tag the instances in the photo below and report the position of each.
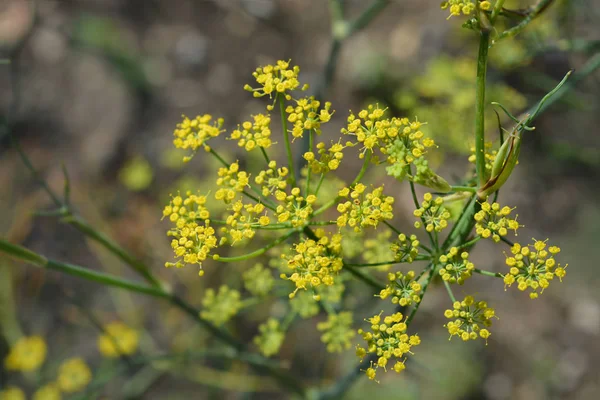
(488, 273)
(449, 290)
(286, 137)
(482, 58)
(531, 15)
(260, 251)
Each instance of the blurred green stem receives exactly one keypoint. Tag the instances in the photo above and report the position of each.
(286, 137)
(29, 256)
(484, 39)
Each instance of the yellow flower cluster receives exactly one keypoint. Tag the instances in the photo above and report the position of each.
(304, 304)
(118, 339)
(315, 262)
(364, 209)
(73, 375)
(258, 280)
(272, 179)
(296, 209)
(388, 340)
(191, 241)
(533, 267)
(222, 306)
(195, 133)
(338, 332)
(434, 214)
(456, 267)
(493, 221)
(470, 319)
(252, 134)
(406, 248)
(12, 393)
(466, 7)
(27, 354)
(46, 392)
(270, 337)
(306, 116)
(242, 220)
(403, 289)
(231, 181)
(329, 158)
(279, 78)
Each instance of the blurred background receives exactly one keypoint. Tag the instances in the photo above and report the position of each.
(101, 86)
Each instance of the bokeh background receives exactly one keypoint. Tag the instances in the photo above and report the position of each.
(102, 85)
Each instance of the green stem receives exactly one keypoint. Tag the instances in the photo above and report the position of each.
(265, 155)
(260, 251)
(417, 206)
(286, 136)
(24, 254)
(113, 247)
(391, 262)
(469, 243)
(484, 40)
(309, 169)
(531, 15)
(321, 179)
(496, 10)
(488, 273)
(449, 290)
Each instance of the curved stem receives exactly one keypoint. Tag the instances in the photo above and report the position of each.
(260, 251)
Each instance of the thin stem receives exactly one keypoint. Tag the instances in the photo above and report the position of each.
(309, 169)
(484, 40)
(265, 155)
(412, 314)
(417, 206)
(531, 15)
(508, 242)
(286, 136)
(449, 290)
(260, 251)
(469, 243)
(24, 254)
(391, 262)
(496, 10)
(321, 179)
(488, 273)
(393, 228)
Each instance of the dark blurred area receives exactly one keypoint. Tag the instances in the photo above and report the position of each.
(102, 84)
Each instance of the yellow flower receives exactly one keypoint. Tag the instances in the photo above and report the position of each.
(195, 133)
(306, 116)
(402, 288)
(258, 280)
(338, 331)
(434, 214)
(471, 319)
(192, 241)
(73, 375)
(493, 221)
(533, 267)
(117, 340)
(47, 392)
(315, 263)
(27, 354)
(389, 341)
(222, 306)
(12, 393)
(465, 6)
(296, 209)
(456, 267)
(406, 248)
(274, 79)
(329, 158)
(231, 181)
(272, 179)
(362, 209)
(270, 337)
(253, 135)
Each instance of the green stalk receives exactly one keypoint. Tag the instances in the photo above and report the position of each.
(260, 251)
(286, 136)
(484, 41)
(488, 273)
(449, 290)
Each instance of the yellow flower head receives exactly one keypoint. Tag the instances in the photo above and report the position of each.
(533, 267)
(306, 116)
(329, 158)
(47, 392)
(252, 135)
(338, 332)
(470, 319)
(27, 354)
(12, 393)
(258, 280)
(275, 79)
(456, 267)
(222, 306)
(231, 182)
(118, 339)
(272, 179)
(195, 133)
(402, 288)
(193, 237)
(314, 263)
(74, 375)
(406, 248)
(388, 340)
(466, 7)
(494, 221)
(295, 209)
(433, 213)
(364, 209)
(270, 337)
